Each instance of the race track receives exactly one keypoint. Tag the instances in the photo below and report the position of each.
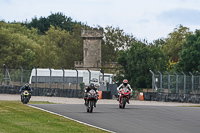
(134, 118)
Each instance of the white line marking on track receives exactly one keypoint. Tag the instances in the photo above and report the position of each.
(71, 119)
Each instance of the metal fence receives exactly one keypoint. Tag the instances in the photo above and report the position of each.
(176, 83)
(11, 80)
(18, 77)
(14, 77)
(174, 87)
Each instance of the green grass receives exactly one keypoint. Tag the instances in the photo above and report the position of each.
(18, 118)
(191, 106)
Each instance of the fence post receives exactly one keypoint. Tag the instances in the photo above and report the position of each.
(168, 81)
(50, 78)
(6, 73)
(184, 80)
(160, 80)
(199, 81)
(102, 71)
(63, 78)
(89, 76)
(176, 82)
(192, 82)
(21, 75)
(36, 82)
(76, 82)
(153, 80)
(35, 77)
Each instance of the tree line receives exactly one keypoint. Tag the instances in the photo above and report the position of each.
(55, 41)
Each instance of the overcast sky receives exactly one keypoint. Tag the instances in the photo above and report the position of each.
(144, 19)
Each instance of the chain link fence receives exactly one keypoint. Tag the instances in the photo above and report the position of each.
(175, 83)
(50, 82)
(174, 87)
(18, 77)
(11, 80)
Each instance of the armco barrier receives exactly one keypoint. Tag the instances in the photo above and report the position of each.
(52, 92)
(9, 89)
(149, 96)
(44, 91)
(106, 95)
(170, 97)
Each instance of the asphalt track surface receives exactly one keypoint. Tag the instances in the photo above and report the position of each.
(134, 118)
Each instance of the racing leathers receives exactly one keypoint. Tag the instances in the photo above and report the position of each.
(123, 86)
(87, 89)
(26, 88)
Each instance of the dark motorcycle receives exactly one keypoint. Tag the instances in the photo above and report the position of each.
(91, 99)
(25, 95)
(124, 97)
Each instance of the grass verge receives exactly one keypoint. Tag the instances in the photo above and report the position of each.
(191, 106)
(18, 118)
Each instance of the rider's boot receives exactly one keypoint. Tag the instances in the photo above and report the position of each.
(95, 104)
(85, 103)
(128, 101)
(118, 98)
(29, 97)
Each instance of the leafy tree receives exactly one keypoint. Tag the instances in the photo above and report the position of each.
(55, 19)
(60, 20)
(82, 85)
(56, 46)
(59, 49)
(190, 54)
(159, 42)
(174, 42)
(114, 40)
(138, 60)
(17, 45)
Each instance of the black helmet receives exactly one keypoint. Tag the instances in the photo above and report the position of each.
(26, 85)
(91, 86)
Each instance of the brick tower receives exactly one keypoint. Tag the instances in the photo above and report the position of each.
(91, 49)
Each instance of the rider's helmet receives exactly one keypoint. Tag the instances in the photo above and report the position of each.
(26, 85)
(125, 82)
(91, 86)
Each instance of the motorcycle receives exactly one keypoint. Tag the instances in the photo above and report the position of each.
(25, 95)
(91, 99)
(124, 97)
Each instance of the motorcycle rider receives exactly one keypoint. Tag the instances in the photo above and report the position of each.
(87, 89)
(28, 88)
(123, 85)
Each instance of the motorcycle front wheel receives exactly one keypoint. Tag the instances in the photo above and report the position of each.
(123, 102)
(25, 100)
(91, 106)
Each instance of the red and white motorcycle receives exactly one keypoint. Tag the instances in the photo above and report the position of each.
(124, 96)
